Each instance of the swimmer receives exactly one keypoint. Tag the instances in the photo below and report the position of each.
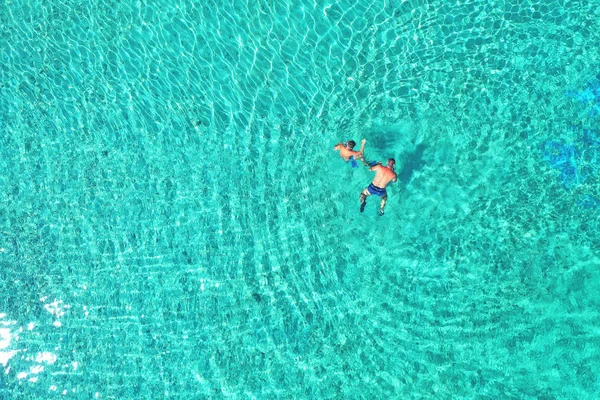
(348, 153)
(383, 176)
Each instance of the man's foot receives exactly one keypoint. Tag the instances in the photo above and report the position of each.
(362, 206)
(380, 212)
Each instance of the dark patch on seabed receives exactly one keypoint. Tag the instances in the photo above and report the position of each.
(383, 141)
(579, 162)
(589, 95)
(413, 162)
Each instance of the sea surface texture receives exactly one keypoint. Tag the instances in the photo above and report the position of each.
(174, 222)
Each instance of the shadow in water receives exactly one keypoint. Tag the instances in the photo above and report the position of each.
(382, 141)
(414, 162)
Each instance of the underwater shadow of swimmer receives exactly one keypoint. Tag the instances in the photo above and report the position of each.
(414, 162)
(382, 141)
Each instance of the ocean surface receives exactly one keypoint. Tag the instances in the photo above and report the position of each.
(174, 222)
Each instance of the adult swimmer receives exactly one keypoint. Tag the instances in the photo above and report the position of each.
(383, 176)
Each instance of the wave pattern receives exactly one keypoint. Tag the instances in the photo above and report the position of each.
(168, 174)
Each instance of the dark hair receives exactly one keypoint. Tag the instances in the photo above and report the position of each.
(392, 160)
(350, 144)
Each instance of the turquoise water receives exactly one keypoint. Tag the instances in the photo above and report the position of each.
(175, 224)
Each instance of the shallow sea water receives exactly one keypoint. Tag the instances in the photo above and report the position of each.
(175, 224)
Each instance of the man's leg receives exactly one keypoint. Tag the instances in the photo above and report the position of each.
(382, 205)
(363, 199)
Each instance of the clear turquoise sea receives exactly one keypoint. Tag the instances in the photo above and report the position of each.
(174, 223)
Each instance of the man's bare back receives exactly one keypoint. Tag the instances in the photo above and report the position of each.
(383, 176)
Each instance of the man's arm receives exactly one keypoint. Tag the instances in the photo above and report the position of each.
(360, 155)
(337, 146)
(362, 147)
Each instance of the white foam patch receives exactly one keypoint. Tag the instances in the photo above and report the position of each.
(46, 357)
(4, 338)
(56, 308)
(36, 369)
(5, 356)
